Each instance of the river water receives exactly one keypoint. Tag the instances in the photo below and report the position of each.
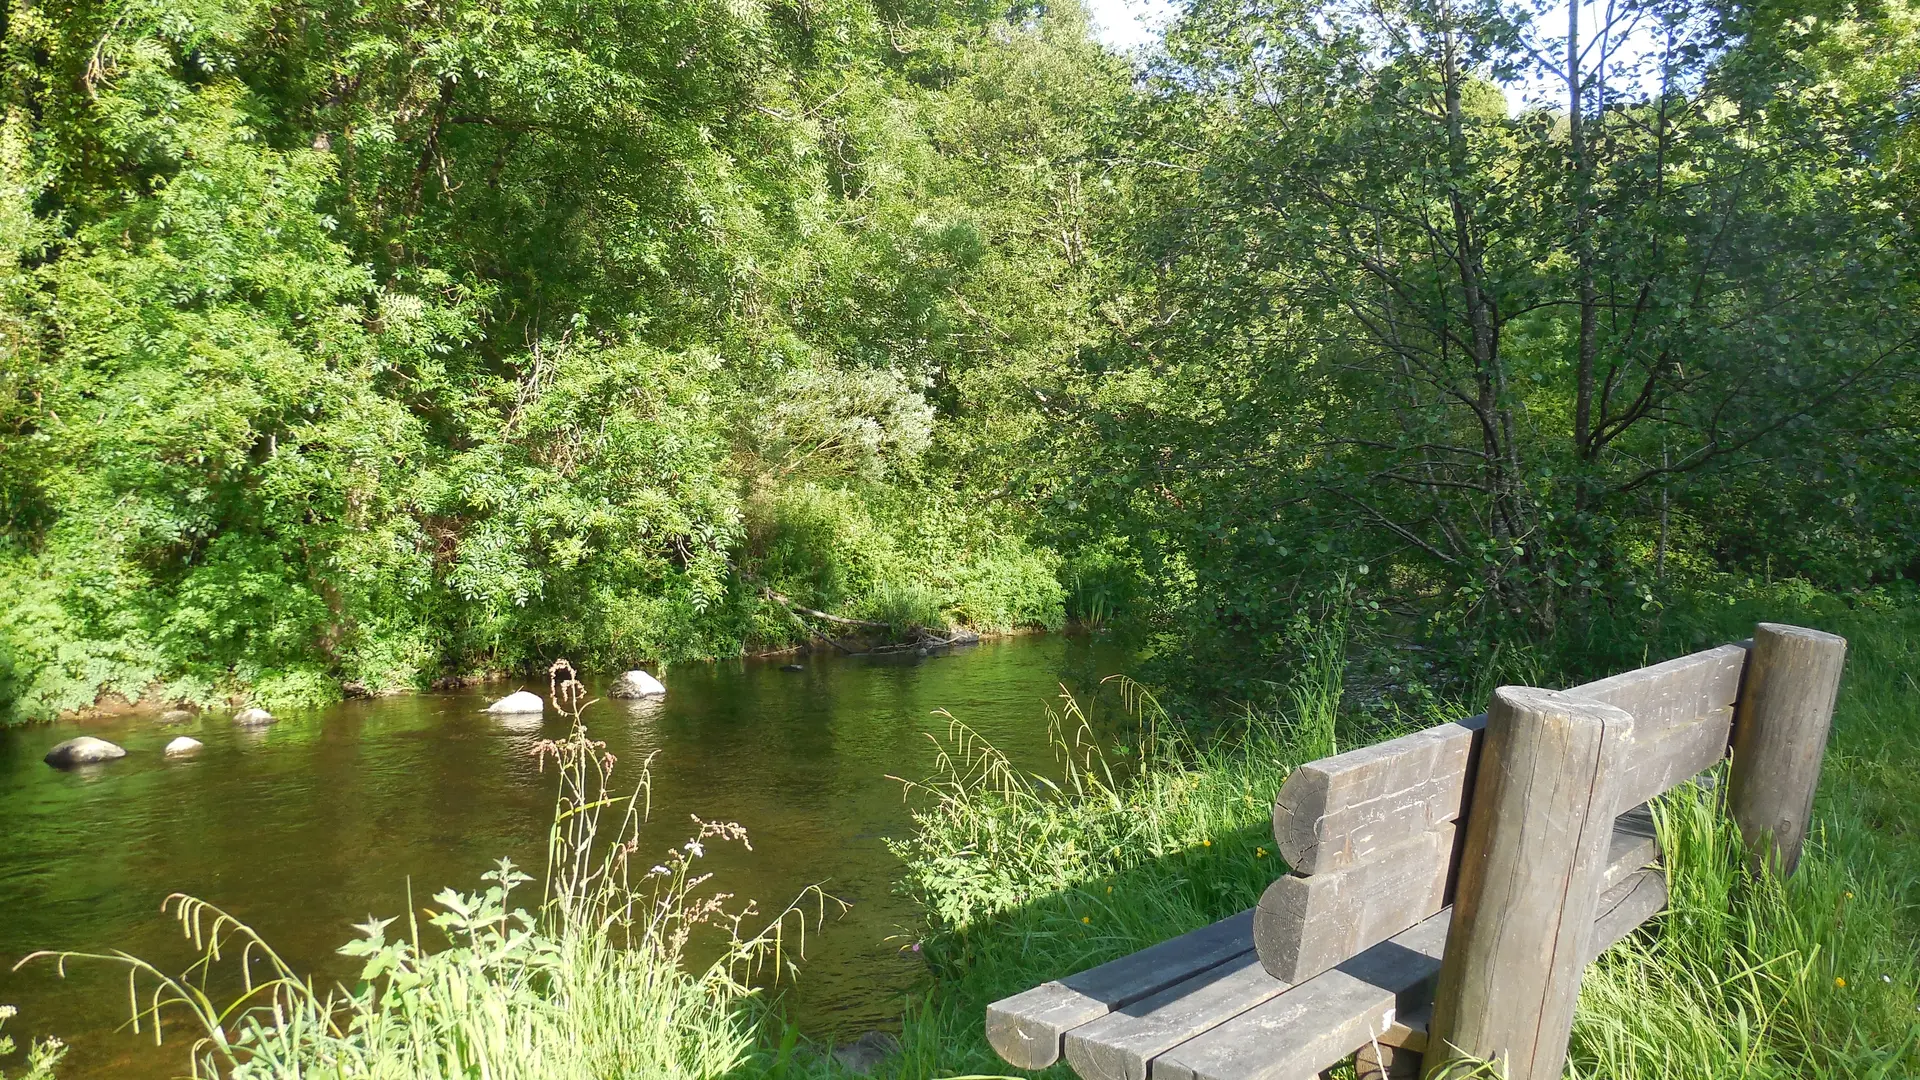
(327, 817)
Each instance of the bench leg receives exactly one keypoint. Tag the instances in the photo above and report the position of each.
(1376, 1061)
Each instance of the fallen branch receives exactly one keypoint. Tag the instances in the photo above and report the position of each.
(840, 620)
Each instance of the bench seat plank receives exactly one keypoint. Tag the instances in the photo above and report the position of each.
(1384, 993)
(1026, 1029)
(1317, 1024)
(1637, 898)
(1118, 1045)
(1633, 845)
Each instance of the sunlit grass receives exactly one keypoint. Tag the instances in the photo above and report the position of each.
(1025, 879)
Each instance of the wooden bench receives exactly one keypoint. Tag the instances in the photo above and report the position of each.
(1447, 888)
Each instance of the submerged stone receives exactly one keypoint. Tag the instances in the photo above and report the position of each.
(253, 716)
(867, 1053)
(637, 684)
(519, 702)
(84, 750)
(176, 716)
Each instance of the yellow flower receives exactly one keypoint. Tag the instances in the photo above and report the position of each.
(1849, 896)
(1206, 843)
(1839, 982)
(1109, 890)
(1085, 919)
(1259, 853)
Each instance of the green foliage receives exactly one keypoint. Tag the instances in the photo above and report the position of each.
(42, 1056)
(1532, 366)
(356, 345)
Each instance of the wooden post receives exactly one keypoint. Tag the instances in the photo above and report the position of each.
(1780, 738)
(1535, 854)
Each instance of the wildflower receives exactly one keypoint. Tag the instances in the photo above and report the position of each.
(659, 870)
(916, 946)
(694, 846)
(1849, 896)
(1086, 919)
(1109, 890)
(1259, 853)
(1206, 843)
(1839, 982)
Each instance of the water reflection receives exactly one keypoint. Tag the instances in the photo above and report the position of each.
(308, 826)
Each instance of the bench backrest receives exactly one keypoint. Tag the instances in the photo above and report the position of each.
(1448, 887)
(1371, 835)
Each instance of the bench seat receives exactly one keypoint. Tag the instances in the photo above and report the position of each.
(1202, 1007)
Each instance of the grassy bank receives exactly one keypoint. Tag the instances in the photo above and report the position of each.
(1814, 977)
(1142, 834)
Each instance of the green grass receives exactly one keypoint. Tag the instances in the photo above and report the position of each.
(1024, 880)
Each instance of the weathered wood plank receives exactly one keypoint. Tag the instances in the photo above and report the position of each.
(1672, 690)
(1402, 1001)
(1409, 1028)
(1027, 1028)
(1305, 925)
(1383, 1061)
(1781, 739)
(1633, 846)
(1118, 1045)
(1346, 809)
(1632, 901)
(1531, 870)
(1318, 1023)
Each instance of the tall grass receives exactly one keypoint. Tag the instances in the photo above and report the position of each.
(1750, 976)
(1025, 879)
(594, 983)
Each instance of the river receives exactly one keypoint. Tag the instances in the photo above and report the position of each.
(313, 824)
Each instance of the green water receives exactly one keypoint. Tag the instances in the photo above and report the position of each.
(324, 818)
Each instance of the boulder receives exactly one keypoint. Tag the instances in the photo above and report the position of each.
(176, 716)
(519, 703)
(867, 1053)
(183, 747)
(84, 750)
(636, 684)
(253, 716)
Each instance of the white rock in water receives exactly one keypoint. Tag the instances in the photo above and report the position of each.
(637, 684)
(84, 750)
(520, 701)
(253, 717)
(183, 746)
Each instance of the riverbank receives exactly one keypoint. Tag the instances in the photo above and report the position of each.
(306, 827)
(154, 702)
(1813, 978)
(1012, 881)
